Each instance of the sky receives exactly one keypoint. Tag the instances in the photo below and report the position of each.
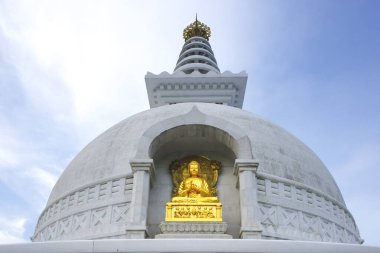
(69, 70)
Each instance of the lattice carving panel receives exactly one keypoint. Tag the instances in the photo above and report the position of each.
(90, 208)
(292, 196)
(280, 222)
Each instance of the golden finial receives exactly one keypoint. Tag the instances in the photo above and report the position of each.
(196, 28)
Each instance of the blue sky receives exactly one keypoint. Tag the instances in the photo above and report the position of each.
(69, 70)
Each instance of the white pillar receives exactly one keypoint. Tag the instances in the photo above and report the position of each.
(246, 170)
(143, 174)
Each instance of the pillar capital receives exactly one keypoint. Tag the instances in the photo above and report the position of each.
(143, 165)
(246, 165)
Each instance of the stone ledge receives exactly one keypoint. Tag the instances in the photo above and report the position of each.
(186, 245)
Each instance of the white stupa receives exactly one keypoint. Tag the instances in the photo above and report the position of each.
(272, 186)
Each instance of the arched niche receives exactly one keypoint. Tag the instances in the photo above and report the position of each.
(235, 138)
(194, 139)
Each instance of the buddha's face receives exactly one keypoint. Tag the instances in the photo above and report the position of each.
(193, 168)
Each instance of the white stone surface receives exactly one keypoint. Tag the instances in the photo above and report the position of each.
(196, 78)
(196, 55)
(220, 88)
(143, 172)
(95, 211)
(246, 170)
(187, 245)
(279, 153)
(92, 198)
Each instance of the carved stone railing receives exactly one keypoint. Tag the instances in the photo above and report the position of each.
(87, 208)
(291, 210)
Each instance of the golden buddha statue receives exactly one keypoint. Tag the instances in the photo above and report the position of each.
(194, 190)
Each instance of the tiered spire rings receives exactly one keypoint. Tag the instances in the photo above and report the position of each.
(196, 54)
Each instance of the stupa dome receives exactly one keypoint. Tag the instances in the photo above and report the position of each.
(297, 196)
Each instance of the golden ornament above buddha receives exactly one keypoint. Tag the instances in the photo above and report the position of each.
(194, 190)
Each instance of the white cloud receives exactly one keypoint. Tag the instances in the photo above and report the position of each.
(361, 166)
(43, 181)
(19, 170)
(33, 185)
(78, 67)
(7, 157)
(357, 178)
(12, 229)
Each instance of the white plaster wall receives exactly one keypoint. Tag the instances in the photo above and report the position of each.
(279, 153)
(226, 87)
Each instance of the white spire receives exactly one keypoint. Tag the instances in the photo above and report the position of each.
(196, 55)
(196, 77)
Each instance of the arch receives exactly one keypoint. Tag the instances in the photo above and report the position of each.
(233, 136)
(193, 132)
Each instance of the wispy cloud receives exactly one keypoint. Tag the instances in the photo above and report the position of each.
(64, 79)
(12, 229)
(357, 177)
(360, 166)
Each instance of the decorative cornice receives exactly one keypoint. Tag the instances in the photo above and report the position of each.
(142, 165)
(146, 165)
(245, 165)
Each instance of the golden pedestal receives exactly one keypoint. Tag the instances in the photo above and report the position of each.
(202, 211)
